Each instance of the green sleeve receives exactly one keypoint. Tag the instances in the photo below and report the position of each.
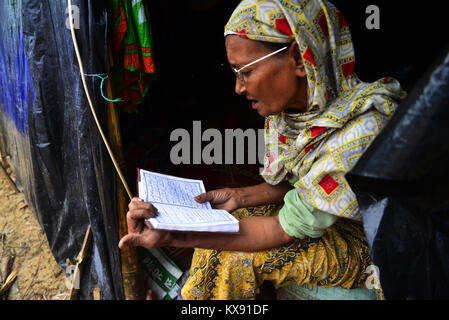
(301, 220)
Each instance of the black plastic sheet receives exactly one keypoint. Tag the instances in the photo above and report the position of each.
(401, 183)
(46, 126)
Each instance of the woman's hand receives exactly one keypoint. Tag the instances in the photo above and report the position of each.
(140, 232)
(220, 199)
(231, 199)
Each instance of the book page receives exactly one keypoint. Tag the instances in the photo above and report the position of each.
(163, 189)
(176, 208)
(168, 214)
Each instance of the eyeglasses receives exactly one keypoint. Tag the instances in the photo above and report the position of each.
(238, 72)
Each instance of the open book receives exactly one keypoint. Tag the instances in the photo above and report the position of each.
(177, 210)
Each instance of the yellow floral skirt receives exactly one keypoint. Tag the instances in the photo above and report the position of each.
(337, 259)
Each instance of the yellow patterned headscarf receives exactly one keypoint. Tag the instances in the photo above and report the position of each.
(344, 114)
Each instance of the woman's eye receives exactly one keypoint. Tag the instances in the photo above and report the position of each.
(246, 73)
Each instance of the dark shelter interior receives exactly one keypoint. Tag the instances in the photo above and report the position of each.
(194, 81)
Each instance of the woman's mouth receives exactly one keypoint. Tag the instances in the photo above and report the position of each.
(255, 104)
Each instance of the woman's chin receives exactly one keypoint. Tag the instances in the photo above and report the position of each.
(262, 110)
(262, 113)
(265, 113)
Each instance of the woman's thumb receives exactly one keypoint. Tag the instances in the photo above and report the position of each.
(130, 240)
(203, 197)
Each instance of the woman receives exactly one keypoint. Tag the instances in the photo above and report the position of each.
(294, 61)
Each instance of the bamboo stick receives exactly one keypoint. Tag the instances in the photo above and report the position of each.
(89, 100)
(129, 257)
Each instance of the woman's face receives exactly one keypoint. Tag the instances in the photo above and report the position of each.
(273, 85)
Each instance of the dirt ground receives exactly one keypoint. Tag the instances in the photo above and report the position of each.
(23, 242)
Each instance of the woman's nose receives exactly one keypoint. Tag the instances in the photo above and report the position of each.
(239, 87)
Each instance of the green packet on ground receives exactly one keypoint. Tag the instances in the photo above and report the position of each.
(160, 273)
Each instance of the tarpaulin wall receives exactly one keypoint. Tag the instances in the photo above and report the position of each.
(401, 183)
(46, 127)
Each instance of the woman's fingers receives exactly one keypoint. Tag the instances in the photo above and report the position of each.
(138, 211)
(135, 219)
(139, 230)
(137, 203)
(138, 214)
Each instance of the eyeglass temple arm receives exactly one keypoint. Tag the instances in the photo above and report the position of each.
(260, 59)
